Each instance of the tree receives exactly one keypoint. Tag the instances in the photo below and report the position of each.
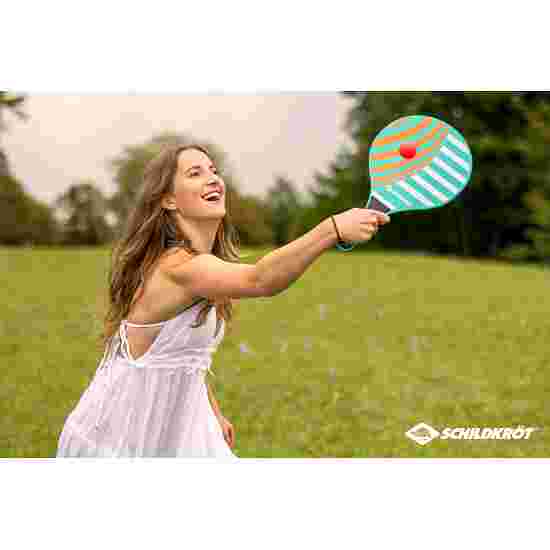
(83, 210)
(9, 103)
(250, 216)
(284, 207)
(23, 220)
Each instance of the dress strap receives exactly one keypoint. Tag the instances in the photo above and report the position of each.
(124, 339)
(144, 325)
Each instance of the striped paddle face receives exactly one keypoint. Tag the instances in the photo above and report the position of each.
(417, 163)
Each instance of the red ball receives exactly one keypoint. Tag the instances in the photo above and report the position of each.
(407, 150)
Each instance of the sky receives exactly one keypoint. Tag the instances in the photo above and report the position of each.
(72, 137)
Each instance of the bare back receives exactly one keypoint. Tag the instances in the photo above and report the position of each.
(160, 300)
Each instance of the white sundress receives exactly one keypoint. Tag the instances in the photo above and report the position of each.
(153, 406)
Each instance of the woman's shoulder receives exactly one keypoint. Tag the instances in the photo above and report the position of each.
(162, 298)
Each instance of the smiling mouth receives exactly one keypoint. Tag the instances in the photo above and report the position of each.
(213, 200)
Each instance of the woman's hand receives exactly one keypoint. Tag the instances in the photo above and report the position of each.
(359, 224)
(227, 429)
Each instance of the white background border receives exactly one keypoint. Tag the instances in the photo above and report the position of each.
(235, 47)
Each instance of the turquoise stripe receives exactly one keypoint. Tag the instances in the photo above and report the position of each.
(416, 204)
(434, 183)
(464, 156)
(454, 165)
(394, 199)
(425, 193)
(456, 134)
(390, 198)
(447, 176)
(391, 146)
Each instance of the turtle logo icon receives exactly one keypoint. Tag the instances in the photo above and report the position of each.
(422, 433)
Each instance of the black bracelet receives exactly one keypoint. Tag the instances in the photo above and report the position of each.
(337, 232)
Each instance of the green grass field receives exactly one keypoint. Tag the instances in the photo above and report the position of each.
(360, 349)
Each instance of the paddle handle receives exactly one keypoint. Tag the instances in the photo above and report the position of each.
(372, 204)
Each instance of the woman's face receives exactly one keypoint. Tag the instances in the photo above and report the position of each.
(197, 176)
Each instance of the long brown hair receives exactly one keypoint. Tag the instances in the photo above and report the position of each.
(145, 238)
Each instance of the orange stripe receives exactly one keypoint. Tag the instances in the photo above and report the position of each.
(386, 155)
(425, 152)
(395, 152)
(405, 133)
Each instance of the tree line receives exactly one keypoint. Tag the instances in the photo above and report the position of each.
(503, 213)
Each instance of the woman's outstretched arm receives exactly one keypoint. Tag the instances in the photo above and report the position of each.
(278, 269)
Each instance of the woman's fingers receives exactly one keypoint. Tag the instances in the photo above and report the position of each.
(229, 433)
(371, 220)
(377, 217)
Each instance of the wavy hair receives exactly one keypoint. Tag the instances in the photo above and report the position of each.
(147, 235)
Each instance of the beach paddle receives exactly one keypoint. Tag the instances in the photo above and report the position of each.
(417, 162)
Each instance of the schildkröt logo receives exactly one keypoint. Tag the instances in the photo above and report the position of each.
(424, 433)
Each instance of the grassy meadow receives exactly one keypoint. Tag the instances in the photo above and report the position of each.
(361, 348)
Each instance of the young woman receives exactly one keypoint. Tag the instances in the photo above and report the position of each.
(177, 258)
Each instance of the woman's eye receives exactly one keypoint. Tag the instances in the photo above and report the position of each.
(196, 173)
